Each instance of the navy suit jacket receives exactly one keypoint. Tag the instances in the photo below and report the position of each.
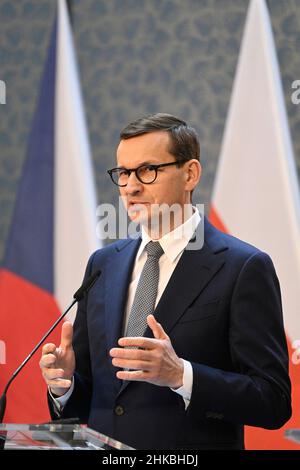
(222, 312)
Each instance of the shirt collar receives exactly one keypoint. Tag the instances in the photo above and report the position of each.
(174, 242)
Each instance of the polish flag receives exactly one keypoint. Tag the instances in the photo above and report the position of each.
(256, 192)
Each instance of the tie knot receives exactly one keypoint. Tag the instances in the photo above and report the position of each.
(154, 249)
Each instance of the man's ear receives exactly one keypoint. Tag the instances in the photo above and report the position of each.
(193, 173)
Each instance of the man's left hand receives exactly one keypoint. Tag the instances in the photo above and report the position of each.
(156, 362)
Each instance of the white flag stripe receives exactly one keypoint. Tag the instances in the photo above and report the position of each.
(75, 195)
(256, 191)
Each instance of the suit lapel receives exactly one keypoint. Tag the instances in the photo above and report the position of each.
(193, 272)
(119, 270)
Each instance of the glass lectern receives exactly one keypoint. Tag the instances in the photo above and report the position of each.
(55, 436)
(293, 435)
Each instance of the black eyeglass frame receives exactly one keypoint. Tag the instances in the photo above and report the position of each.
(135, 170)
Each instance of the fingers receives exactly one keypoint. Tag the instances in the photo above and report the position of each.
(138, 354)
(48, 361)
(48, 355)
(48, 348)
(66, 335)
(55, 378)
(138, 375)
(57, 363)
(52, 374)
(157, 329)
(59, 384)
(132, 364)
(136, 359)
(138, 341)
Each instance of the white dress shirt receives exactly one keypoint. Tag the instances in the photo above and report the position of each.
(173, 245)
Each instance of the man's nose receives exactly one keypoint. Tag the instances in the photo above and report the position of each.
(133, 184)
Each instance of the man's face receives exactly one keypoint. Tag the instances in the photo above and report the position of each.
(170, 186)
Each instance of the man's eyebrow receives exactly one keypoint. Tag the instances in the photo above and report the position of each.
(147, 162)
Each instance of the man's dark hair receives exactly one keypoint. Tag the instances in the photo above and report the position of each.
(184, 141)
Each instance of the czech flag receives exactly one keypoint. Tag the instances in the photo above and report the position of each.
(53, 229)
(256, 192)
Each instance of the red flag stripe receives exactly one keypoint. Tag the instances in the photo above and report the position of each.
(27, 311)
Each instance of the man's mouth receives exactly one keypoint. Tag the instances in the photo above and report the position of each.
(137, 208)
(137, 205)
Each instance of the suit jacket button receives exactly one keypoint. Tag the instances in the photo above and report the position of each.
(119, 410)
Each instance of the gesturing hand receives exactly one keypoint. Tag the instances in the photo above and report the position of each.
(58, 364)
(156, 362)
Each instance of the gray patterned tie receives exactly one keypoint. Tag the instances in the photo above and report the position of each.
(146, 291)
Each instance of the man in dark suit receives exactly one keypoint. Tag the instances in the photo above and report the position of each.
(212, 357)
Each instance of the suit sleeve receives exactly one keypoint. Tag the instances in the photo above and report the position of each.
(257, 393)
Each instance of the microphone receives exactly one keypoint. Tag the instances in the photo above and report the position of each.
(79, 294)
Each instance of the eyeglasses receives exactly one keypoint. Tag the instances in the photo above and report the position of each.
(146, 174)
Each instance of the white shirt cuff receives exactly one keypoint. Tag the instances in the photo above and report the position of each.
(186, 390)
(60, 402)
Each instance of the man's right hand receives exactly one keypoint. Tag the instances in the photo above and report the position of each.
(58, 364)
